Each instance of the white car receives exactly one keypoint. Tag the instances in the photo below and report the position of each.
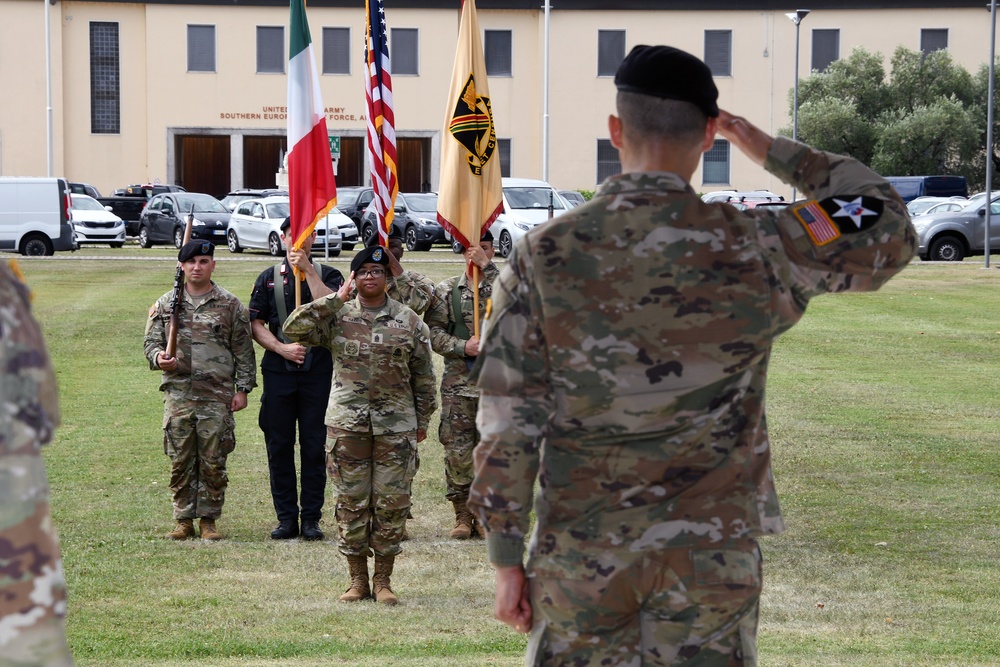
(256, 223)
(348, 230)
(95, 223)
(525, 205)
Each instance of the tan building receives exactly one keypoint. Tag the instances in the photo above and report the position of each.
(194, 93)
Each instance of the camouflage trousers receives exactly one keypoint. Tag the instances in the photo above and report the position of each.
(198, 436)
(676, 607)
(32, 589)
(371, 475)
(459, 437)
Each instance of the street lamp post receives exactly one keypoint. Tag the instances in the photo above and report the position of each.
(796, 18)
(987, 221)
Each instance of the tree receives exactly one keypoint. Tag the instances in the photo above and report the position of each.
(927, 117)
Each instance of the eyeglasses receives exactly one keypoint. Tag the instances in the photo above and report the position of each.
(369, 273)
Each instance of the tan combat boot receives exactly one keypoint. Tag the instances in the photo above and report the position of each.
(208, 529)
(184, 530)
(359, 590)
(380, 580)
(463, 521)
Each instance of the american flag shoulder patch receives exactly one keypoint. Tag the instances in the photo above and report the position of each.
(817, 222)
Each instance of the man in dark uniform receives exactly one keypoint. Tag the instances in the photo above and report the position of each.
(296, 389)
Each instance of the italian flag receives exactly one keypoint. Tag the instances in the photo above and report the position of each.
(312, 190)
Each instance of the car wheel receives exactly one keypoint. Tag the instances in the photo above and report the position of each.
(505, 243)
(334, 253)
(116, 245)
(367, 232)
(233, 241)
(347, 246)
(36, 245)
(457, 247)
(274, 245)
(947, 249)
(144, 241)
(178, 237)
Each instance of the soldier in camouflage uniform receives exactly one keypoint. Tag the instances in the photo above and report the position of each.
(624, 366)
(452, 338)
(32, 589)
(203, 385)
(410, 288)
(381, 401)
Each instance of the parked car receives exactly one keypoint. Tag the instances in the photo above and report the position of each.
(353, 202)
(256, 223)
(236, 196)
(949, 206)
(164, 218)
(129, 209)
(951, 237)
(525, 205)
(572, 197)
(737, 195)
(416, 219)
(920, 205)
(35, 215)
(84, 189)
(348, 230)
(95, 223)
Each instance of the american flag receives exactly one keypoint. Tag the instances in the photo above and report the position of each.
(817, 223)
(381, 120)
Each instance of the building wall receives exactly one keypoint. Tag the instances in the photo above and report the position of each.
(160, 99)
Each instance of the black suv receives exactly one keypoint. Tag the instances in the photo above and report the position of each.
(165, 217)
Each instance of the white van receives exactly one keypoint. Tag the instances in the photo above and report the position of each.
(526, 204)
(35, 217)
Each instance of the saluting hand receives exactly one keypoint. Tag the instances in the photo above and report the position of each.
(751, 140)
(344, 293)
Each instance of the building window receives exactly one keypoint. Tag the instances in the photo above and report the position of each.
(719, 52)
(933, 39)
(201, 48)
(336, 50)
(403, 51)
(610, 51)
(270, 50)
(608, 163)
(497, 45)
(504, 146)
(826, 49)
(715, 169)
(105, 81)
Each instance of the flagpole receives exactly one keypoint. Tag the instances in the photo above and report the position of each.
(475, 301)
(545, 99)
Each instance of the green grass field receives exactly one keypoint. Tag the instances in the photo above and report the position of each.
(883, 411)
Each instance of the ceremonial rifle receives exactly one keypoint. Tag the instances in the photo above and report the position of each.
(175, 298)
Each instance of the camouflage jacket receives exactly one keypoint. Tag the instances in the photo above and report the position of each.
(32, 589)
(625, 359)
(383, 373)
(215, 354)
(441, 317)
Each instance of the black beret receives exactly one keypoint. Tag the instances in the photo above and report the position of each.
(195, 248)
(668, 73)
(395, 233)
(487, 236)
(371, 255)
(285, 224)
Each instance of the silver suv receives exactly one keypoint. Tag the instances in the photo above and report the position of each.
(951, 237)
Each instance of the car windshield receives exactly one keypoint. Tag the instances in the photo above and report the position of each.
(422, 203)
(86, 204)
(277, 210)
(532, 198)
(201, 204)
(347, 197)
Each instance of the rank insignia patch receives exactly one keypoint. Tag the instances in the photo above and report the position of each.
(817, 222)
(853, 213)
